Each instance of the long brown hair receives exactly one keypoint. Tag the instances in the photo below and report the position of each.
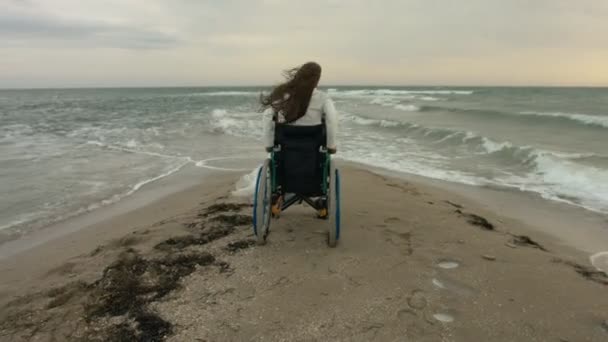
(292, 97)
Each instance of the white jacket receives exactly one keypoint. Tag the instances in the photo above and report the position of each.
(320, 107)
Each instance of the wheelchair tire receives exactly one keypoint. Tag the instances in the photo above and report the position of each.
(262, 203)
(333, 206)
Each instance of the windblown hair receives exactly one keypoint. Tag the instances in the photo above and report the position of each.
(291, 98)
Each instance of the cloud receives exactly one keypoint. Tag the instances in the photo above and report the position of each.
(357, 41)
(24, 26)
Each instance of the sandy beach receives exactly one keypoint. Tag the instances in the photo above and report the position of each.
(416, 262)
(470, 137)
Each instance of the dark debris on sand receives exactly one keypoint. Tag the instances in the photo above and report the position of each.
(61, 295)
(222, 208)
(476, 220)
(234, 219)
(585, 271)
(226, 219)
(455, 205)
(124, 291)
(227, 213)
(526, 241)
(129, 284)
(208, 235)
(132, 281)
(116, 307)
(238, 245)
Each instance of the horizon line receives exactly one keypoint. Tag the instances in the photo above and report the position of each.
(324, 86)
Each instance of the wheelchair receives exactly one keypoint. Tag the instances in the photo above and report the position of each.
(299, 169)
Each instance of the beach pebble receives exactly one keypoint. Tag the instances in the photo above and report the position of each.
(445, 318)
(489, 257)
(438, 283)
(508, 244)
(460, 241)
(448, 264)
(605, 325)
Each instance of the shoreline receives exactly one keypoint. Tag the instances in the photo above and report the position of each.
(591, 235)
(415, 260)
(529, 208)
(186, 178)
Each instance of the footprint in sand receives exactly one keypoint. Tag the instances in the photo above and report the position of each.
(448, 264)
(406, 314)
(402, 240)
(392, 220)
(417, 300)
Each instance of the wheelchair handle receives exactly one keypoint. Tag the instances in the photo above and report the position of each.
(277, 148)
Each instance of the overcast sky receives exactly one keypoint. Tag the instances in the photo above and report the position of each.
(66, 43)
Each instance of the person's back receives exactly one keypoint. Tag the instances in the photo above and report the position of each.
(298, 102)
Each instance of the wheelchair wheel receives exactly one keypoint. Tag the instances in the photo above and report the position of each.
(333, 206)
(262, 203)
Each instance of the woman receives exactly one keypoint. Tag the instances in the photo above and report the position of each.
(297, 101)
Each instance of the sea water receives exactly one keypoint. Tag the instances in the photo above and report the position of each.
(66, 152)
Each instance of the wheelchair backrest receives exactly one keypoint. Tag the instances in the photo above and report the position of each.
(300, 160)
(286, 135)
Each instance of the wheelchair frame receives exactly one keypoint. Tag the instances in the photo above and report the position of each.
(268, 192)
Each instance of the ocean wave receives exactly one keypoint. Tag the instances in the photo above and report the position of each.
(139, 185)
(410, 165)
(222, 93)
(555, 175)
(600, 261)
(407, 108)
(586, 119)
(517, 166)
(245, 186)
(218, 112)
(525, 168)
(130, 147)
(383, 101)
(518, 154)
(23, 219)
(397, 103)
(44, 218)
(237, 124)
(127, 137)
(362, 121)
(472, 141)
(568, 181)
(15, 131)
(429, 98)
(594, 120)
(437, 136)
(396, 92)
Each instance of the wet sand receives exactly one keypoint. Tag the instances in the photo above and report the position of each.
(415, 262)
